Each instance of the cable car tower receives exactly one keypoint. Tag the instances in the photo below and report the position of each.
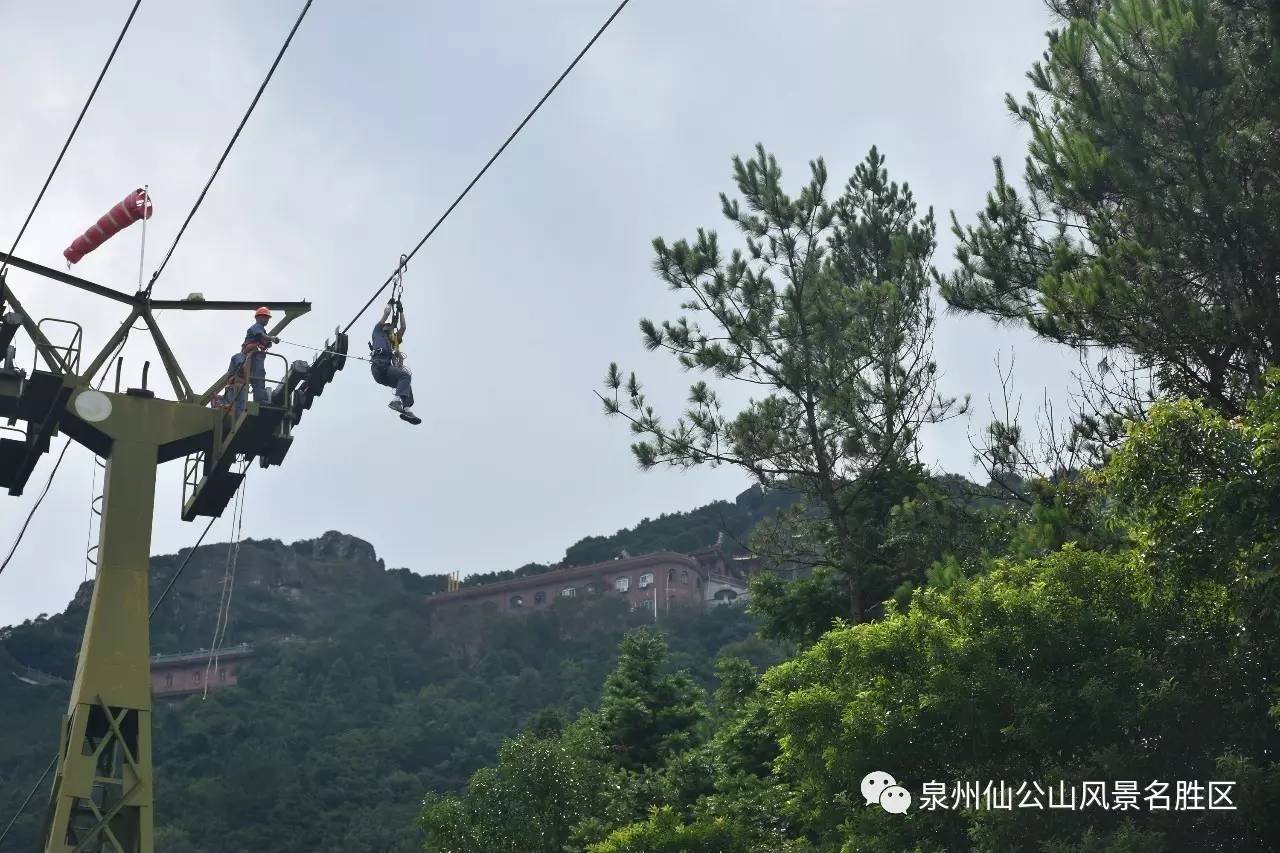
(101, 798)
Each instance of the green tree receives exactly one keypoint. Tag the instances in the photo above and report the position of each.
(1143, 663)
(528, 802)
(827, 314)
(664, 832)
(1152, 213)
(646, 712)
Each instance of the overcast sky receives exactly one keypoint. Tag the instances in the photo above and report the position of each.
(378, 116)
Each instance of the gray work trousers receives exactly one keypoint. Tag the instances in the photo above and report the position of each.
(394, 376)
(258, 377)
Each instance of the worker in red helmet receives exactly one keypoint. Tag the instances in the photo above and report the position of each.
(252, 360)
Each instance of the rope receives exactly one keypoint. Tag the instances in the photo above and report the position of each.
(404, 259)
(228, 586)
(226, 583)
(320, 349)
(226, 152)
(67, 144)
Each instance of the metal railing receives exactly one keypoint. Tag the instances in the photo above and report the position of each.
(193, 468)
(68, 354)
(243, 384)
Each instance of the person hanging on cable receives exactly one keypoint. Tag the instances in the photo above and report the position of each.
(387, 361)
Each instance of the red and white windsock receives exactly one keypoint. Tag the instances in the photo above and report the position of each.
(136, 205)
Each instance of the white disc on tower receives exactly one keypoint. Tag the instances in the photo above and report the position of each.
(93, 406)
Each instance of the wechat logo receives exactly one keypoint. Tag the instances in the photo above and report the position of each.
(880, 787)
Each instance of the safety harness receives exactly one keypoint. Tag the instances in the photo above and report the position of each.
(238, 379)
(397, 312)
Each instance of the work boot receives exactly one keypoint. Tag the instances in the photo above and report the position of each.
(397, 405)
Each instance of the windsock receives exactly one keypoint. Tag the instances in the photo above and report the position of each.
(135, 206)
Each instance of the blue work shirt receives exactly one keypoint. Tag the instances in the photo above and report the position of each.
(381, 340)
(257, 334)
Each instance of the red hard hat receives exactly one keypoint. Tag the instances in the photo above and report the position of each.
(264, 310)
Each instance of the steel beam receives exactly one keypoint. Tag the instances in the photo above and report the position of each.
(66, 278)
(102, 793)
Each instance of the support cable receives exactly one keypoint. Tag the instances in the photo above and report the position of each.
(13, 549)
(226, 152)
(181, 568)
(322, 350)
(58, 162)
(25, 802)
(404, 259)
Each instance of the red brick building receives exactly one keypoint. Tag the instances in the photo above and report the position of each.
(663, 580)
(183, 674)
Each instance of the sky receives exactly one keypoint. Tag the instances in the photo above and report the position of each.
(379, 115)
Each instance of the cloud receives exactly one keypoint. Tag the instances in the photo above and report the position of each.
(376, 119)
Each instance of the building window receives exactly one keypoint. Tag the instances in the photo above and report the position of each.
(592, 588)
(671, 576)
(568, 592)
(195, 676)
(646, 604)
(622, 584)
(168, 680)
(684, 576)
(646, 579)
(517, 601)
(222, 675)
(539, 597)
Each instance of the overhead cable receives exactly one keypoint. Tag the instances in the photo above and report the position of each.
(227, 151)
(404, 259)
(65, 145)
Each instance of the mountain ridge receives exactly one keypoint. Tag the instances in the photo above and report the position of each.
(351, 710)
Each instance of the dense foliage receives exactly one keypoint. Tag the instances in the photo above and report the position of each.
(351, 711)
(1151, 219)
(1146, 655)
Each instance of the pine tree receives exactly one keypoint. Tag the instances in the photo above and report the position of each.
(826, 314)
(646, 712)
(1152, 217)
